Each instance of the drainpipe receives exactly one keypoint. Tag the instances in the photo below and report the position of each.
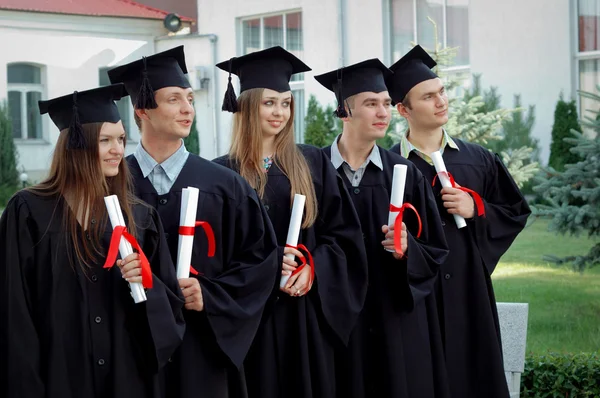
(342, 31)
(213, 77)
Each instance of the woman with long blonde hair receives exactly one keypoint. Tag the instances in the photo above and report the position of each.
(315, 310)
(69, 326)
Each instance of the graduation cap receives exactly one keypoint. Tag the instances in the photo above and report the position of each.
(271, 68)
(410, 70)
(144, 76)
(91, 106)
(345, 82)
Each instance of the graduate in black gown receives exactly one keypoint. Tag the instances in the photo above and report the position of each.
(396, 349)
(466, 298)
(68, 327)
(293, 354)
(225, 301)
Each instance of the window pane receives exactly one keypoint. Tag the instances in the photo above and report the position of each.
(24, 73)
(457, 29)
(251, 35)
(589, 13)
(34, 119)
(299, 114)
(403, 26)
(425, 32)
(294, 41)
(273, 33)
(14, 109)
(589, 78)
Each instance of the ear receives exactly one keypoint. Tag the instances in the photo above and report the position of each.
(141, 113)
(402, 110)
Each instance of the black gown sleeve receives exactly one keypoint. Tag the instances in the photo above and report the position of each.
(160, 324)
(20, 352)
(506, 213)
(235, 299)
(340, 256)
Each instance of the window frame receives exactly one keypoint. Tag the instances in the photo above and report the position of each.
(578, 57)
(24, 88)
(297, 85)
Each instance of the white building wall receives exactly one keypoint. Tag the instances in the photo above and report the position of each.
(71, 50)
(524, 47)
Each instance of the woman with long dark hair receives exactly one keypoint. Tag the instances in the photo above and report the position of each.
(69, 325)
(315, 310)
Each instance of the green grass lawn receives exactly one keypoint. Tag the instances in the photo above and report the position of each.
(564, 306)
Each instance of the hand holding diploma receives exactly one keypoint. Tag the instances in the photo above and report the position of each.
(389, 242)
(192, 293)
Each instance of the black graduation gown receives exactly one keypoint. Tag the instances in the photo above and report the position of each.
(293, 354)
(467, 304)
(395, 350)
(236, 282)
(66, 333)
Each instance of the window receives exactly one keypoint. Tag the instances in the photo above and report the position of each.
(124, 104)
(25, 89)
(409, 23)
(285, 30)
(588, 52)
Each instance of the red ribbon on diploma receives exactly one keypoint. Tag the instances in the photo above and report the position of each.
(304, 263)
(113, 250)
(210, 235)
(398, 225)
(478, 201)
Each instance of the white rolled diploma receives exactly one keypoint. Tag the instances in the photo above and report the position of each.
(442, 174)
(187, 218)
(397, 195)
(294, 229)
(116, 219)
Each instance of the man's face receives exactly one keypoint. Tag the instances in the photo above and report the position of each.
(371, 114)
(175, 112)
(428, 105)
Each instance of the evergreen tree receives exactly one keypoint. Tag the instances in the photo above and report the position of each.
(192, 141)
(565, 121)
(9, 177)
(321, 126)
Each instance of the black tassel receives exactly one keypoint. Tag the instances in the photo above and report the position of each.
(145, 98)
(76, 139)
(340, 111)
(230, 99)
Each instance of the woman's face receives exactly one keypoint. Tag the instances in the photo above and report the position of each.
(111, 147)
(274, 111)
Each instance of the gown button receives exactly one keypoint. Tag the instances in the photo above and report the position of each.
(267, 207)
(443, 223)
(447, 276)
(94, 278)
(356, 191)
(163, 201)
(98, 319)
(101, 362)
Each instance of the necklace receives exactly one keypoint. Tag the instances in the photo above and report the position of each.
(267, 162)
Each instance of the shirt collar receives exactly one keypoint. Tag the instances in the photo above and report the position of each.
(406, 147)
(172, 166)
(337, 159)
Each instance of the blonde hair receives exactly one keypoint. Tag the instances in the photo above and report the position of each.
(246, 151)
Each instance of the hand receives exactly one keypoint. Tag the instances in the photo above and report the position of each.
(458, 202)
(190, 287)
(131, 268)
(388, 243)
(289, 264)
(299, 284)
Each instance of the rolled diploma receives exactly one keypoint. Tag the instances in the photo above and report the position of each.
(294, 229)
(440, 169)
(116, 219)
(189, 207)
(397, 196)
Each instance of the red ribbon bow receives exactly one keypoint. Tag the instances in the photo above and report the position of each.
(210, 235)
(398, 225)
(478, 201)
(121, 231)
(304, 263)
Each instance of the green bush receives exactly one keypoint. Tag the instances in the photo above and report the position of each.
(561, 375)
(321, 125)
(192, 141)
(565, 120)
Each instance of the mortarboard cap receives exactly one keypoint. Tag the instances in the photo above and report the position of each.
(365, 76)
(410, 70)
(90, 106)
(271, 68)
(144, 76)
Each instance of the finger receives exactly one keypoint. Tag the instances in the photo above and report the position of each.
(136, 264)
(291, 250)
(390, 235)
(290, 262)
(135, 279)
(132, 273)
(384, 229)
(131, 257)
(186, 283)
(291, 281)
(287, 267)
(119, 263)
(403, 226)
